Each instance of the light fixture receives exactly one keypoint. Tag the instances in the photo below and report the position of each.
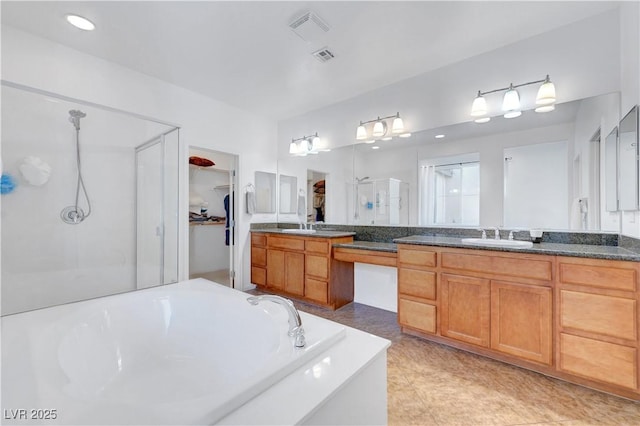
(405, 135)
(387, 138)
(306, 145)
(546, 93)
(375, 147)
(80, 22)
(361, 132)
(398, 124)
(380, 128)
(511, 105)
(439, 136)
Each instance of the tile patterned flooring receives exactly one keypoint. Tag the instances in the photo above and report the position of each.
(432, 384)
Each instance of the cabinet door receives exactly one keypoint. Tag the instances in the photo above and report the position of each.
(275, 269)
(465, 309)
(294, 273)
(521, 320)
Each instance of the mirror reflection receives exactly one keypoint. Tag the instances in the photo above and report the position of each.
(288, 194)
(265, 192)
(535, 171)
(628, 161)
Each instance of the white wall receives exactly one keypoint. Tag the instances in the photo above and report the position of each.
(582, 59)
(206, 123)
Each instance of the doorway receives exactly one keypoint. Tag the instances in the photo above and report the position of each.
(212, 206)
(316, 186)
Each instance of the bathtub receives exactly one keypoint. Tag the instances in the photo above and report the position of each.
(186, 353)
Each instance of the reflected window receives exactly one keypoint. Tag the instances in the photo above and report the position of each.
(450, 193)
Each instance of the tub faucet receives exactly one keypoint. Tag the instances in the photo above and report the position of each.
(295, 323)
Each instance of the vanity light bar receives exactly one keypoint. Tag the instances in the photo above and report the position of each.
(380, 127)
(545, 99)
(305, 145)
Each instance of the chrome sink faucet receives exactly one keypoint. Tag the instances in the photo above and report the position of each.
(295, 323)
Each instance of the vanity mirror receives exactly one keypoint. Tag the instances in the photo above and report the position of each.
(288, 194)
(265, 192)
(628, 161)
(611, 170)
(353, 170)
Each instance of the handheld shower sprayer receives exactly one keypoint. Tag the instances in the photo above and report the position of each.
(74, 214)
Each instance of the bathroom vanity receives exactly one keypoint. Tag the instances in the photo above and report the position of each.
(575, 318)
(566, 310)
(301, 265)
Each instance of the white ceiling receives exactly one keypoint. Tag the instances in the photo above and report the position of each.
(244, 54)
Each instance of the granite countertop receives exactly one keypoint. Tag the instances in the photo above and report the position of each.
(574, 250)
(317, 234)
(370, 245)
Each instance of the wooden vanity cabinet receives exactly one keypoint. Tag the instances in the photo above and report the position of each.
(417, 288)
(496, 301)
(301, 267)
(597, 328)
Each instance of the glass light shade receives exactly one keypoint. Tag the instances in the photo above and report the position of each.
(479, 106)
(482, 120)
(545, 108)
(81, 23)
(546, 93)
(512, 114)
(293, 148)
(361, 133)
(304, 147)
(511, 101)
(397, 126)
(379, 129)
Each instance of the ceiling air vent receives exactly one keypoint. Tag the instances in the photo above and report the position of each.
(323, 55)
(309, 27)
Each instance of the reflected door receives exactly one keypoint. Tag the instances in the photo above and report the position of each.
(157, 211)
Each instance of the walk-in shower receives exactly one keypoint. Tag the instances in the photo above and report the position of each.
(75, 214)
(81, 158)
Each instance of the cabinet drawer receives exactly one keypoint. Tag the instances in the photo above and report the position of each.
(606, 362)
(286, 243)
(258, 276)
(259, 240)
(417, 315)
(417, 283)
(608, 315)
(510, 266)
(613, 277)
(417, 256)
(317, 246)
(318, 266)
(316, 290)
(258, 256)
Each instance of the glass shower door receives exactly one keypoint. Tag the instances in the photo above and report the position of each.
(157, 211)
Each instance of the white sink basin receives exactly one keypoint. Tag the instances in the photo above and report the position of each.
(299, 231)
(488, 242)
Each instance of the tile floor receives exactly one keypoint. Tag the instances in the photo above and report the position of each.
(432, 384)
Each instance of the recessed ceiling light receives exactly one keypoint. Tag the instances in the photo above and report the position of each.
(80, 22)
(375, 147)
(388, 138)
(439, 136)
(405, 135)
(370, 141)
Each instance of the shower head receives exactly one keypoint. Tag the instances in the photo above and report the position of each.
(74, 117)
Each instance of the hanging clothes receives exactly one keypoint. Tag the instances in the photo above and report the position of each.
(227, 225)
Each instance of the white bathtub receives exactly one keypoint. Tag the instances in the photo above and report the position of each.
(187, 353)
